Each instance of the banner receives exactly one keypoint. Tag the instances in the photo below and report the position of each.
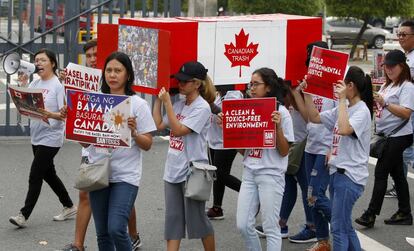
(247, 123)
(28, 101)
(84, 78)
(97, 118)
(326, 67)
(378, 77)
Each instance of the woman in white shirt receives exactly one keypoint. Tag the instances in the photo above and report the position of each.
(348, 159)
(395, 104)
(188, 120)
(46, 141)
(111, 206)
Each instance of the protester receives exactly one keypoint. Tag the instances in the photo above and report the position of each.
(46, 141)
(348, 160)
(188, 120)
(395, 103)
(263, 176)
(221, 158)
(405, 36)
(111, 206)
(84, 210)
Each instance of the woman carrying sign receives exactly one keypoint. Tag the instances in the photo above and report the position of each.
(111, 206)
(348, 160)
(263, 179)
(395, 102)
(46, 141)
(189, 120)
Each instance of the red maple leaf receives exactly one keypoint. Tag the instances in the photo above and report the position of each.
(241, 54)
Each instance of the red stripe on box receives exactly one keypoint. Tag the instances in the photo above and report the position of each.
(107, 42)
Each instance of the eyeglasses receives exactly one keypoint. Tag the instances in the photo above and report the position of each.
(403, 35)
(254, 85)
(185, 82)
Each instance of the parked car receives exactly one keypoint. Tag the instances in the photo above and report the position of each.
(345, 30)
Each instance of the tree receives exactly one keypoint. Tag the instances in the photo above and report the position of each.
(365, 9)
(297, 7)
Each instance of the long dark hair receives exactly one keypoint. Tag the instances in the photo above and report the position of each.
(52, 57)
(277, 86)
(405, 75)
(363, 84)
(126, 62)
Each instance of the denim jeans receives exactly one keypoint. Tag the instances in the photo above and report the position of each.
(291, 191)
(408, 154)
(344, 193)
(318, 184)
(111, 208)
(268, 191)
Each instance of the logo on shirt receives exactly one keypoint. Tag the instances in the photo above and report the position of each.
(318, 103)
(177, 143)
(256, 153)
(269, 137)
(335, 141)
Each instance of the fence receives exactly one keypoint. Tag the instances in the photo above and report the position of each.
(28, 25)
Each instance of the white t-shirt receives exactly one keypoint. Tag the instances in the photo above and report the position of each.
(215, 133)
(53, 96)
(196, 117)
(348, 152)
(269, 161)
(319, 137)
(410, 62)
(401, 95)
(126, 163)
(299, 125)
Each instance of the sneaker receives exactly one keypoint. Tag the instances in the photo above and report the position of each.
(215, 213)
(137, 243)
(67, 212)
(305, 236)
(322, 245)
(260, 231)
(71, 247)
(410, 241)
(367, 219)
(391, 193)
(18, 220)
(400, 218)
(284, 231)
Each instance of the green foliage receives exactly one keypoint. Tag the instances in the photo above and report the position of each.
(297, 7)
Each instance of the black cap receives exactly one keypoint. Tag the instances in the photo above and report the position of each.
(191, 70)
(394, 57)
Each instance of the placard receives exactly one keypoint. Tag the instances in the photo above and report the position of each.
(28, 101)
(247, 123)
(98, 118)
(326, 67)
(82, 78)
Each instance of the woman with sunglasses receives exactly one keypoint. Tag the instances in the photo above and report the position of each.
(395, 102)
(188, 120)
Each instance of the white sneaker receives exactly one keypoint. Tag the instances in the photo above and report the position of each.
(410, 240)
(67, 212)
(18, 220)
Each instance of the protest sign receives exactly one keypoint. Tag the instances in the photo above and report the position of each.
(378, 77)
(326, 67)
(28, 102)
(97, 118)
(80, 77)
(247, 123)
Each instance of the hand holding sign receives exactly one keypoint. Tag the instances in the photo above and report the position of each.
(277, 118)
(340, 89)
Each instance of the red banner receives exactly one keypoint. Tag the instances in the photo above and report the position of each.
(326, 67)
(247, 123)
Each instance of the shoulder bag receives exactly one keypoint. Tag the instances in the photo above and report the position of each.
(379, 141)
(93, 176)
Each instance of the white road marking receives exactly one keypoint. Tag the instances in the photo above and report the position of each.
(373, 161)
(369, 244)
(3, 106)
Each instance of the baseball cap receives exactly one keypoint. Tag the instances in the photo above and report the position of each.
(191, 70)
(394, 57)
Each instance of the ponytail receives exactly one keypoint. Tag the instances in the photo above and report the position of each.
(207, 89)
(367, 95)
(363, 84)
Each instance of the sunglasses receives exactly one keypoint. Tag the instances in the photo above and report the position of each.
(403, 35)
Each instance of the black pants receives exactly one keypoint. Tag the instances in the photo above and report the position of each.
(43, 169)
(223, 159)
(391, 163)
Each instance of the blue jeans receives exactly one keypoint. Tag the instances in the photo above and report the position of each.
(111, 208)
(291, 191)
(408, 154)
(318, 184)
(268, 191)
(344, 193)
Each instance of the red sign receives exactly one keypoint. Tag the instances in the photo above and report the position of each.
(326, 67)
(241, 54)
(247, 123)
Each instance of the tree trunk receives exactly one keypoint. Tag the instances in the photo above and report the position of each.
(358, 38)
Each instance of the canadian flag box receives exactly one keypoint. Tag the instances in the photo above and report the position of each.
(231, 48)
